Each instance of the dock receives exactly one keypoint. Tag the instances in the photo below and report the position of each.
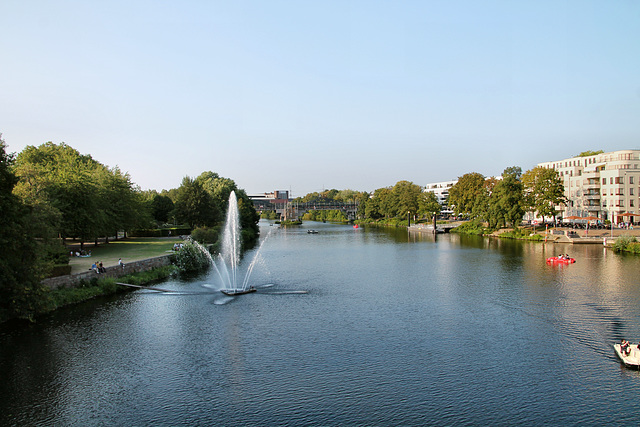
(151, 288)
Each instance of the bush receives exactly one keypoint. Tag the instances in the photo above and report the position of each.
(206, 235)
(60, 270)
(192, 257)
(470, 227)
(159, 232)
(521, 234)
(269, 215)
(626, 244)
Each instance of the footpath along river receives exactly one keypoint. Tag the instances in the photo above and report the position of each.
(348, 327)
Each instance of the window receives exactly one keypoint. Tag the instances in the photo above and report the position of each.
(611, 180)
(631, 191)
(604, 181)
(631, 203)
(630, 180)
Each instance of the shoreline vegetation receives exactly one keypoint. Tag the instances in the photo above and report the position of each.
(99, 286)
(54, 299)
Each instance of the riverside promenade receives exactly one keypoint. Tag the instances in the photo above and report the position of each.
(565, 234)
(592, 236)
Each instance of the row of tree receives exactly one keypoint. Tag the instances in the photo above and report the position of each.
(502, 202)
(498, 201)
(52, 192)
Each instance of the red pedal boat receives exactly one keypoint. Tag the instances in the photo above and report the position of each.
(556, 260)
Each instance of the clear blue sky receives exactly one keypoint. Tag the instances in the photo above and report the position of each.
(306, 95)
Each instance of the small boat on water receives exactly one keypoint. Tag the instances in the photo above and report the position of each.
(312, 231)
(557, 260)
(234, 292)
(631, 360)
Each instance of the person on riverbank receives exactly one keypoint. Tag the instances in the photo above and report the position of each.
(120, 263)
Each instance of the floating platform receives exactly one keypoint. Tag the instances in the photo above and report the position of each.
(234, 292)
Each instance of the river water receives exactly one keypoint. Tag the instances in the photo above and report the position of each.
(348, 327)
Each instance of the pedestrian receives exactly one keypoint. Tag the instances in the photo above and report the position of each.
(120, 263)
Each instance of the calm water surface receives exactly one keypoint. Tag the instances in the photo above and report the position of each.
(348, 327)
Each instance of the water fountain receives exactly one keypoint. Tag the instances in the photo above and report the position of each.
(228, 260)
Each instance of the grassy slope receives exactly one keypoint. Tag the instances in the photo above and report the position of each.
(131, 249)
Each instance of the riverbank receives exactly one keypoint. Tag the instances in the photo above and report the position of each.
(130, 249)
(145, 261)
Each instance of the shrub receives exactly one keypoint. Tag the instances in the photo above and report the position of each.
(60, 270)
(159, 232)
(625, 244)
(470, 227)
(521, 234)
(192, 257)
(206, 235)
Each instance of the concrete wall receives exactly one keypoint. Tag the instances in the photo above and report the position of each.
(73, 280)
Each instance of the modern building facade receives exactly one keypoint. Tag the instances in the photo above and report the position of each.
(441, 190)
(605, 186)
(270, 201)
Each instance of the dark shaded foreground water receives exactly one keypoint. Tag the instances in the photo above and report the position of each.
(348, 327)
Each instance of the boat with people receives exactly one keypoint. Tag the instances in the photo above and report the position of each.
(235, 292)
(312, 231)
(560, 259)
(628, 353)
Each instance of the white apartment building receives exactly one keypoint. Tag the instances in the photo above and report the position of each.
(606, 186)
(441, 190)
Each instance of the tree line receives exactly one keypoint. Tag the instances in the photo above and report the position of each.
(503, 202)
(52, 192)
(499, 201)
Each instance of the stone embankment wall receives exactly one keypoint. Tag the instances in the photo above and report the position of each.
(73, 280)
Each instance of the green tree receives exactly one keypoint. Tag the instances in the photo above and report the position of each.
(194, 205)
(589, 153)
(428, 204)
(543, 191)
(90, 199)
(506, 199)
(406, 196)
(347, 196)
(21, 293)
(363, 200)
(161, 208)
(220, 189)
(60, 176)
(122, 203)
(374, 209)
(469, 195)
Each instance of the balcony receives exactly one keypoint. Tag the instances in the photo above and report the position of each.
(593, 208)
(590, 185)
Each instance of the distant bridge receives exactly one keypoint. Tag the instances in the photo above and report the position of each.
(295, 210)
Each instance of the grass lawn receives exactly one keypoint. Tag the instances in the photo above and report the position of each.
(130, 249)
